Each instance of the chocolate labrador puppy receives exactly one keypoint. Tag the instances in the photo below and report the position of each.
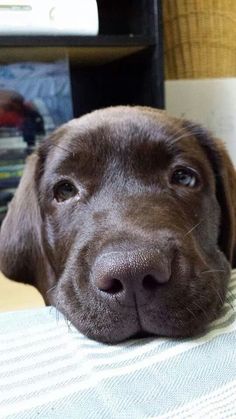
(125, 221)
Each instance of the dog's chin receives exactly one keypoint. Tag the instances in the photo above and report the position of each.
(116, 327)
(105, 332)
(115, 336)
(142, 334)
(173, 333)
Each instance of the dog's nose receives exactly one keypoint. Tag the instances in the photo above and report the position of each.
(132, 272)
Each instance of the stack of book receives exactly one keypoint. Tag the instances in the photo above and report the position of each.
(35, 98)
(12, 162)
(20, 123)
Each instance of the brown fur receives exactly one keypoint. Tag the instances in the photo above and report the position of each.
(132, 253)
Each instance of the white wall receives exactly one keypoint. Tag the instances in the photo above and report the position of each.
(212, 102)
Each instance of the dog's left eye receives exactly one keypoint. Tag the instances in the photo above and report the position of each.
(64, 190)
(185, 176)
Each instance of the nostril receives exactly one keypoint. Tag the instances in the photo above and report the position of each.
(150, 283)
(111, 286)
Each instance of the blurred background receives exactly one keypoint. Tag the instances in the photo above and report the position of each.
(200, 64)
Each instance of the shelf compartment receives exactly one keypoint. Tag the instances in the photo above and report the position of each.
(84, 50)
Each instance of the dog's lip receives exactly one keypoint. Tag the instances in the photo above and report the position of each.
(142, 334)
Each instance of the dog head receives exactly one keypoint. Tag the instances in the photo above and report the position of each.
(125, 221)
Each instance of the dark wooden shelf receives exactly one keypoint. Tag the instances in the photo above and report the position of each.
(85, 50)
(82, 41)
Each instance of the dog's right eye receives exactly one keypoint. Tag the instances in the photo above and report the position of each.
(64, 190)
(184, 176)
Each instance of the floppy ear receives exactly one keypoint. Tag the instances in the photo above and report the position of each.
(226, 195)
(20, 235)
(225, 179)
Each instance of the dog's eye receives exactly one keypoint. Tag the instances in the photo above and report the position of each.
(64, 190)
(185, 176)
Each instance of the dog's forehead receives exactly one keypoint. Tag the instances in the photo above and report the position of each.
(116, 144)
(120, 132)
(117, 127)
(125, 121)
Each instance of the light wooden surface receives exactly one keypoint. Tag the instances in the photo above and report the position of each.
(15, 296)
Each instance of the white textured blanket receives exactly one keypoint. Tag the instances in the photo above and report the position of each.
(49, 370)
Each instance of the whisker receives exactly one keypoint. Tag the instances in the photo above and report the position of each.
(229, 302)
(51, 289)
(185, 134)
(68, 323)
(191, 312)
(222, 300)
(57, 312)
(193, 228)
(175, 140)
(231, 293)
(177, 133)
(226, 299)
(62, 148)
(218, 294)
(202, 309)
(57, 305)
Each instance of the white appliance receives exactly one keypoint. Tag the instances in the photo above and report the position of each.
(46, 17)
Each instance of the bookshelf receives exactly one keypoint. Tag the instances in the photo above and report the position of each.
(122, 65)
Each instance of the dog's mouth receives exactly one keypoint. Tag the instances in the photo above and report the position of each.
(181, 307)
(115, 326)
(140, 327)
(142, 334)
(108, 333)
